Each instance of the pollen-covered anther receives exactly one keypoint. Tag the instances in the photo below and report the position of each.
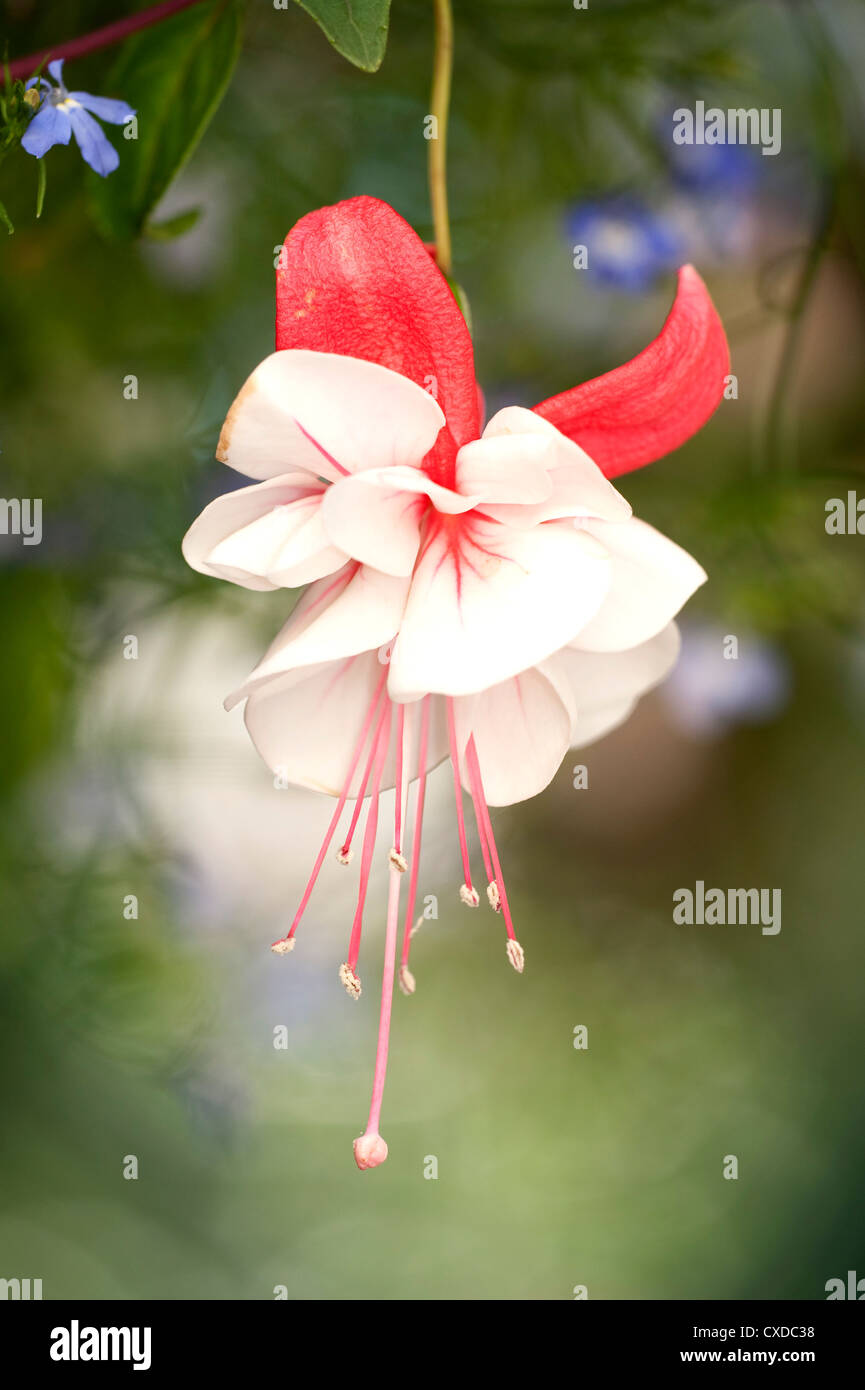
(398, 860)
(406, 980)
(469, 896)
(494, 897)
(369, 1151)
(516, 956)
(345, 856)
(350, 981)
(282, 948)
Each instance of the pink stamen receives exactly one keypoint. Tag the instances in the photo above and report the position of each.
(479, 821)
(417, 829)
(458, 792)
(369, 834)
(345, 850)
(480, 803)
(334, 821)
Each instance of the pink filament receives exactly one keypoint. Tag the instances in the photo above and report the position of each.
(488, 868)
(418, 825)
(369, 834)
(355, 815)
(480, 802)
(458, 792)
(343, 797)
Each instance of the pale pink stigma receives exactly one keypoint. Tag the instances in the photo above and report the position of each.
(370, 1149)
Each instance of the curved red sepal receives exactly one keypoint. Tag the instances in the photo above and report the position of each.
(649, 406)
(356, 279)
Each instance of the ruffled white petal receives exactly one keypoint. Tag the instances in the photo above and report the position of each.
(606, 686)
(376, 516)
(506, 468)
(355, 611)
(306, 725)
(651, 579)
(577, 488)
(522, 731)
(328, 414)
(487, 602)
(237, 514)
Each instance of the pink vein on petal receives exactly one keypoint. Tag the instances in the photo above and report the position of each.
(321, 449)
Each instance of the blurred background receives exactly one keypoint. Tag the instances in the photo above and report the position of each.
(153, 1036)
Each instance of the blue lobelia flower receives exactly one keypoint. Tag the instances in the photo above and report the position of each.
(628, 244)
(64, 113)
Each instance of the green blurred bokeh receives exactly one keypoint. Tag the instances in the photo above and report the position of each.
(154, 1036)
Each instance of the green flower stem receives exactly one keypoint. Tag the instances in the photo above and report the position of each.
(441, 92)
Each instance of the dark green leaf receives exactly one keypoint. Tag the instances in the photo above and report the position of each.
(356, 28)
(174, 75)
(6, 220)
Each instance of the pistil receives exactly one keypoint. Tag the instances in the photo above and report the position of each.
(406, 978)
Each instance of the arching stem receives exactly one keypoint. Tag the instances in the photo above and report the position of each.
(441, 93)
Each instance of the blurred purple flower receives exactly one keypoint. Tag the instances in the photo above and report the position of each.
(63, 114)
(714, 169)
(628, 244)
(709, 693)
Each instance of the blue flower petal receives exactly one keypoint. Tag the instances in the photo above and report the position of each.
(104, 107)
(96, 149)
(50, 126)
(56, 70)
(38, 82)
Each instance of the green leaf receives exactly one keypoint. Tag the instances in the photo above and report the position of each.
(173, 226)
(356, 28)
(174, 76)
(6, 220)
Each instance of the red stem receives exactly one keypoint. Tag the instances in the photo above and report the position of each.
(100, 38)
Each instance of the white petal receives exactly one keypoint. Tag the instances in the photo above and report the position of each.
(487, 602)
(593, 725)
(607, 685)
(515, 419)
(507, 468)
(652, 578)
(307, 724)
(231, 514)
(522, 730)
(328, 414)
(288, 545)
(356, 611)
(375, 516)
(577, 485)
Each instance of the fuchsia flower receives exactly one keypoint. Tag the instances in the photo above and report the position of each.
(486, 596)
